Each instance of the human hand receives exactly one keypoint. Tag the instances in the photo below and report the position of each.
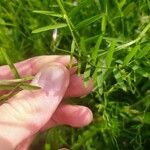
(30, 112)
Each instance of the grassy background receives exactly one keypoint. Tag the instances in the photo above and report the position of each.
(111, 40)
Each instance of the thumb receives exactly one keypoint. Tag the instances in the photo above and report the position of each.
(25, 114)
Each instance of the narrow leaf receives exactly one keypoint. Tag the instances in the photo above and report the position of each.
(131, 54)
(86, 75)
(11, 93)
(74, 11)
(95, 50)
(119, 79)
(82, 46)
(101, 76)
(10, 64)
(109, 55)
(104, 23)
(49, 27)
(121, 4)
(143, 52)
(88, 21)
(7, 96)
(6, 87)
(146, 119)
(95, 37)
(48, 13)
(72, 47)
(26, 86)
(12, 81)
(72, 52)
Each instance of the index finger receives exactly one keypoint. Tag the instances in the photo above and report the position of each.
(33, 65)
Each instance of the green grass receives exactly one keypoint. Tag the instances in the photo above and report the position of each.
(111, 40)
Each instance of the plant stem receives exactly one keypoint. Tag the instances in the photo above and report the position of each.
(68, 21)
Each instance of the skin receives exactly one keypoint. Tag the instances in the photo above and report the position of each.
(30, 112)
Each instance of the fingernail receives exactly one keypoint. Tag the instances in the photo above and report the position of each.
(53, 78)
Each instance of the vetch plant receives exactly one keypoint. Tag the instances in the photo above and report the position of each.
(110, 40)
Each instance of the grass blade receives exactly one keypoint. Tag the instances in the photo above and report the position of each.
(88, 21)
(131, 54)
(82, 46)
(95, 51)
(86, 75)
(109, 55)
(104, 23)
(100, 78)
(50, 27)
(48, 13)
(10, 64)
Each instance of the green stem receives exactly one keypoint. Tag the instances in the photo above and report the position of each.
(68, 21)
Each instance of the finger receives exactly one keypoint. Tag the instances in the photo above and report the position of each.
(26, 143)
(28, 111)
(73, 115)
(33, 65)
(77, 88)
